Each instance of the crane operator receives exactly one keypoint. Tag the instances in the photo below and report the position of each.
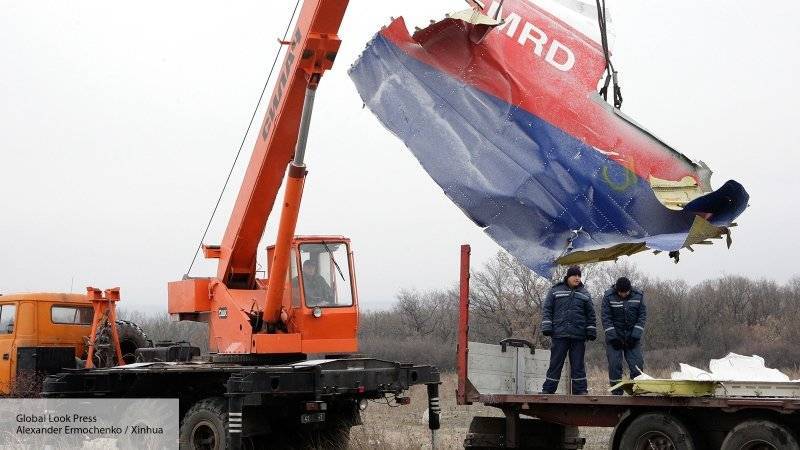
(317, 290)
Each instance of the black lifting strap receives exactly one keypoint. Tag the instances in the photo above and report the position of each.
(611, 73)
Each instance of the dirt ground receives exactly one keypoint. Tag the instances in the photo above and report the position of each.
(405, 427)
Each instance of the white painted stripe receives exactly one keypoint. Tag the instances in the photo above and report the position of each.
(234, 431)
(234, 414)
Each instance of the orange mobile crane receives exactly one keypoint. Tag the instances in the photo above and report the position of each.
(258, 385)
(250, 316)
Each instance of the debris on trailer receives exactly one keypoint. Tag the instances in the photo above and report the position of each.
(668, 388)
(732, 367)
(504, 115)
(732, 375)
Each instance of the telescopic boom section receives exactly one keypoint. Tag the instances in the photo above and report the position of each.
(310, 52)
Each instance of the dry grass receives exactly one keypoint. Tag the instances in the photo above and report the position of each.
(405, 427)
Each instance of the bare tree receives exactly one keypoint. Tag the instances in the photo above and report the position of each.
(507, 295)
(414, 312)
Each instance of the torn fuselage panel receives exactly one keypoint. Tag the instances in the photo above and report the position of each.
(511, 128)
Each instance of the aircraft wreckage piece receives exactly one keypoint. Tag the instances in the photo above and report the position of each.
(506, 119)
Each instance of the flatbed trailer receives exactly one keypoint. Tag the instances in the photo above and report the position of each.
(508, 376)
(234, 405)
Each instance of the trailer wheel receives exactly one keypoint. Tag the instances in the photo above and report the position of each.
(204, 424)
(760, 435)
(656, 431)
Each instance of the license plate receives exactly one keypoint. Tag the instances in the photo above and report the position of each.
(312, 417)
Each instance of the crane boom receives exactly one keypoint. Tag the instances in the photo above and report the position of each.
(280, 315)
(310, 52)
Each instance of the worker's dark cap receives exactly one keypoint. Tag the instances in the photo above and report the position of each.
(622, 285)
(573, 270)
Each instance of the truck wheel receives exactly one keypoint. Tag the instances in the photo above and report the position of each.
(131, 337)
(759, 435)
(656, 431)
(204, 424)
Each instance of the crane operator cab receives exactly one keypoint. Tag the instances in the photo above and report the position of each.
(321, 287)
(321, 296)
(317, 312)
(325, 276)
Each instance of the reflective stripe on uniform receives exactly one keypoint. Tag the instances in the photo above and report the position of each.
(608, 329)
(591, 326)
(577, 379)
(547, 321)
(637, 326)
(552, 379)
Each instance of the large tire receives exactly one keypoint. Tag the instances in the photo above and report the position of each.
(131, 337)
(656, 431)
(204, 424)
(760, 435)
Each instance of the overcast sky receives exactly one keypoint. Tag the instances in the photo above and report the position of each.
(119, 122)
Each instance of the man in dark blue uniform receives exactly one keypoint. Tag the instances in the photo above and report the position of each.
(569, 319)
(624, 315)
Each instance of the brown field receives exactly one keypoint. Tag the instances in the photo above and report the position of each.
(403, 427)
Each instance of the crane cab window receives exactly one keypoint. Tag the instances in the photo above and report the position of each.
(7, 318)
(72, 315)
(326, 274)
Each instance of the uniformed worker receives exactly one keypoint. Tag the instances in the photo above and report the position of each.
(569, 319)
(624, 315)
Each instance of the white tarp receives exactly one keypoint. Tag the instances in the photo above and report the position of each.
(744, 368)
(732, 367)
(688, 372)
